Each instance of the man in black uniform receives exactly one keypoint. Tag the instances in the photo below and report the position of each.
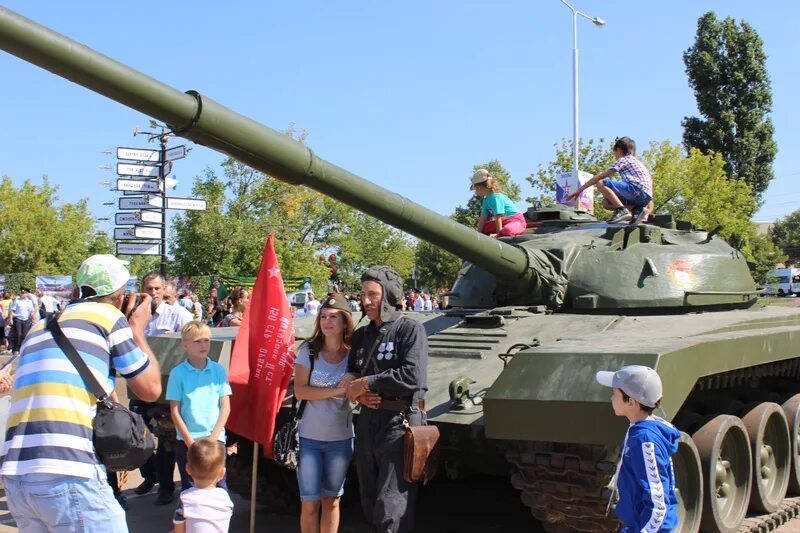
(390, 356)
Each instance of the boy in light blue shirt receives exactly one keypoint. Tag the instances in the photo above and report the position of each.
(199, 396)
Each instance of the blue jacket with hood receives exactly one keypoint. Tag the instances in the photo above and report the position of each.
(645, 480)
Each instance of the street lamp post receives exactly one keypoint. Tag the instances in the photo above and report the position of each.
(575, 139)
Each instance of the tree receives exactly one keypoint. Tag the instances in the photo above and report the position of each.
(369, 242)
(594, 156)
(764, 255)
(39, 234)
(726, 69)
(786, 235)
(245, 205)
(438, 268)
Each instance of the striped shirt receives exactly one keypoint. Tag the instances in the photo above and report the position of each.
(49, 428)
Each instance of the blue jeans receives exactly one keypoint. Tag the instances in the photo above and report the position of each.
(323, 468)
(55, 503)
(628, 193)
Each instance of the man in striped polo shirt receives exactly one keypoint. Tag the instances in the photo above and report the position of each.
(54, 480)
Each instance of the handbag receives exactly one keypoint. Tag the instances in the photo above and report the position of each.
(420, 453)
(121, 438)
(286, 445)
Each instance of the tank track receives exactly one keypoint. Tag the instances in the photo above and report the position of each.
(564, 487)
(769, 522)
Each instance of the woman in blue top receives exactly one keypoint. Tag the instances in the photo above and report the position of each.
(499, 215)
(326, 428)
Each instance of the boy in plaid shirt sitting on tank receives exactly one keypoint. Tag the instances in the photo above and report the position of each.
(634, 188)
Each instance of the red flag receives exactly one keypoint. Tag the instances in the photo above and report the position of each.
(263, 356)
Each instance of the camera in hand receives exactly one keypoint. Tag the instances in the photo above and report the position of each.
(126, 302)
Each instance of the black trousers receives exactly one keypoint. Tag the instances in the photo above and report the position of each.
(387, 500)
(161, 465)
(21, 329)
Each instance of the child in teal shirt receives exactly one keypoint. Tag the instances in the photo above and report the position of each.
(499, 215)
(199, 396)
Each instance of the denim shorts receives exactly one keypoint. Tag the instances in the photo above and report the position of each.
(628, 193)
(323, 468)
(43, 503)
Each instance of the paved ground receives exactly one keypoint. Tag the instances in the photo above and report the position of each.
(442, 509)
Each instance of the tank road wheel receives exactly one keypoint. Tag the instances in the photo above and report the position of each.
(791, 408)
(689, 485)
(769, 441)
(725, 458)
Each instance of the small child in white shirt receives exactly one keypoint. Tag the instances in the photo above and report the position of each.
(204, 508)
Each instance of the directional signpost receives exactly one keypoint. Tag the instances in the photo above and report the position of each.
(142, 172)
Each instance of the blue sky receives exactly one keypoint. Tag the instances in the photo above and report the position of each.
(409, 95)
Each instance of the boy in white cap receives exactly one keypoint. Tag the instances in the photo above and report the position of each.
(644, 479)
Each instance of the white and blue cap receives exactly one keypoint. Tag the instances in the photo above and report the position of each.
(641, 383)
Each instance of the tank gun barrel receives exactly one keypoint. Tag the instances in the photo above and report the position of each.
(206, 122)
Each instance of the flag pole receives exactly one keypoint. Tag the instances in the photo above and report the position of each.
(253, 481)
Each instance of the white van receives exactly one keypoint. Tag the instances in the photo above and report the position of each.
(782, 282)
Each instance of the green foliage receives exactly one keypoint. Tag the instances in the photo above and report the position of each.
(39, 235)
(16, 280)
(594, 156)
(786, 235)
(726, 69)
(245, 206)
(438, 268)
(141, 265)
(763, 254)
(696, 188)
(368, 242)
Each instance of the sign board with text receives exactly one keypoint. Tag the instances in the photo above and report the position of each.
(186, 204)
(179, 152)
(146, 232)
(138, 217)
(138, 185)
(137, 248)
(128, 203)
(138, 154)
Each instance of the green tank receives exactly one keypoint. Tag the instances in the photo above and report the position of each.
(533, 317)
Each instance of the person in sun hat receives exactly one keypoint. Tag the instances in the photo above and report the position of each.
(644, 480)
(53, 478)
(499, 214)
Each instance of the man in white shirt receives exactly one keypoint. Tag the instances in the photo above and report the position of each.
(160, 467)
(51, 305)
(312, 305)
(419, 303)
(166, 318)
(171, 298)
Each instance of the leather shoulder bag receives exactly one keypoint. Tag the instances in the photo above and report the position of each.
(121, 438)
